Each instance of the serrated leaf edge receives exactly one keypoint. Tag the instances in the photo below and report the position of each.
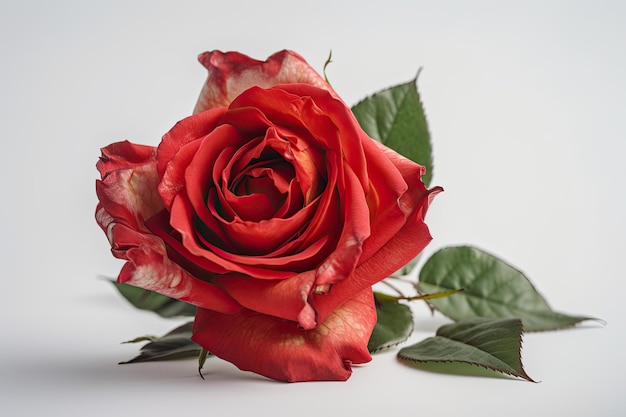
(389, 345)
(501, 371)
(523, 374)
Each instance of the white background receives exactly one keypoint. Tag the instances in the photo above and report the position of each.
(525, 102)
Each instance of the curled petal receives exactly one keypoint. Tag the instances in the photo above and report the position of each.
(150, 268)
(398, 201)
(128, 198)
(124, 155)
(127, 190)
(412, 173)
(340, 264)
(173, 180)
(325, 104)
(185, 131)
(407, 243)
(293, 294)
(201, 262)
(231, 73)
(280, 350)
(396, 191)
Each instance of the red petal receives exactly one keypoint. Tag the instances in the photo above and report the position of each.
(208, 256)
(390, 199)
(231, 73)
(192, 255)
(202, 175)
(151, 269)
(404, 246)
(124, 155)
(280, 350)
(128, 197)
(128, 192)
(293, 294)
(348, 131)
(355, 229)
(173, 179)
(185, 131)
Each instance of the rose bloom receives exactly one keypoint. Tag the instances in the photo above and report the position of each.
(272, 211)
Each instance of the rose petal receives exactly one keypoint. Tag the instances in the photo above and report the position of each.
(231, 73)
(293, 202)
(266, 236)
(280, 350)
(173, 179)
(208, 263)
(324, 104)
(405, 245)
(330, 124)
(203, 173)
(250, 238)
(124, 155)
(185, 131)
(293, 294)
(206, 255)
(128, 197)
(148, 267)
(128, 191)
(262, 192)
(412, 174)
(340, 264)
(391, 200)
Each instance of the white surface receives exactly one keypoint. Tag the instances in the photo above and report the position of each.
(524, 101)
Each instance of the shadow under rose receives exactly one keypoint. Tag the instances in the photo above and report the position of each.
(82, 373)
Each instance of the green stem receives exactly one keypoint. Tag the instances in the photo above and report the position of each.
(201, 359)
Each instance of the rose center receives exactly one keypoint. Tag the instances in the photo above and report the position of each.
(261, 189)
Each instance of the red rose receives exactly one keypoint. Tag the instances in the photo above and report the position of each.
(273, 212)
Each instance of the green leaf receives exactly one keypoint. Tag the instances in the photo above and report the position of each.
(492, 288)
(393, 326)
(395, 117)
(176, 344)
(148, 300)
(328, 61)
(201, 360)
(493, 344)
(142, 339)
